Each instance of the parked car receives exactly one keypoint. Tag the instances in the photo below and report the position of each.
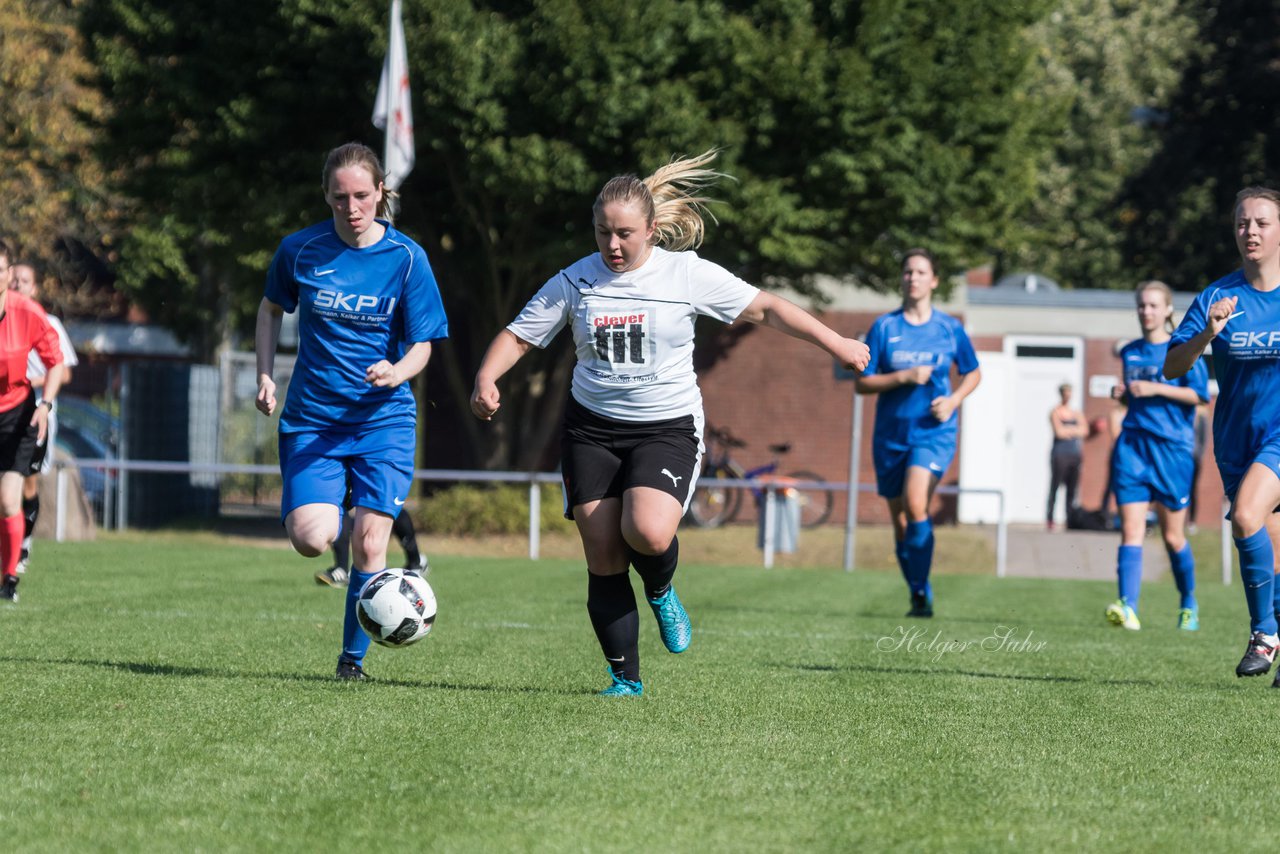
(88, 432)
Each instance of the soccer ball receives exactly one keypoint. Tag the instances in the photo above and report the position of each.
(396, 607)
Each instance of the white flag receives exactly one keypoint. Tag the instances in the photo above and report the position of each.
(391, 111)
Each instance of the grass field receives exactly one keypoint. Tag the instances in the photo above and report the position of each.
(174, 693)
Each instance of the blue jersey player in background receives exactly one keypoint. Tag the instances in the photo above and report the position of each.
(1240, 315)
(913, 350)
(1154, 457)
(368, 309)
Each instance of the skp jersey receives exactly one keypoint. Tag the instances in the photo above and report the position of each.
(903, 419)
(633, 331)
(1246, 364)
(356, 306)
(1159, 416)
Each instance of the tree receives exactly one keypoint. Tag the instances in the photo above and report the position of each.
(853, 129)
(1108, 69)
(1222, 133)
(58, 208)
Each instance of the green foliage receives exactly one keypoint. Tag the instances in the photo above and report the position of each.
(1222, 134)
(853, 129)
(58, 199)
(468, 510)
(1106, 70)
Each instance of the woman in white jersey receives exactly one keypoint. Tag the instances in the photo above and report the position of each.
(632, 435)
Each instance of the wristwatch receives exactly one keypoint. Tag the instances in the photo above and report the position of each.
(48, 403)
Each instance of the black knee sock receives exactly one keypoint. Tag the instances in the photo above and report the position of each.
(402, 527)
(612, 606)
(656, 571)
(342, 546)
(30, 513)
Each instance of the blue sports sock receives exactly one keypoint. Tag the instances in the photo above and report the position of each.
(1129, 574)
(918, 547)
(355, 643)
(1257, 570)
(1183, 564)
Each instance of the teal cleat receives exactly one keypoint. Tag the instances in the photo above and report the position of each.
(1119, 613)
(622, 687)
(1189, 619)
(673, 621)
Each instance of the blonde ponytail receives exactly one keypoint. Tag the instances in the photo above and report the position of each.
(669, 199)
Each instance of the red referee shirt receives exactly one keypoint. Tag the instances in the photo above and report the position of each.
(23, 327)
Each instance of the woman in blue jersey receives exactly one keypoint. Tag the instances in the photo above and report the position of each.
(368, 309)
(632, 435)
(1153, 459)
(1240, 315)
(913, 350)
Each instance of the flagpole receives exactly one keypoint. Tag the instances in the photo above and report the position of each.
(392, 110)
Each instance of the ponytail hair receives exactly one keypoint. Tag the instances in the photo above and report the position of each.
(669, 199)
(1157, 285)
(359, 154)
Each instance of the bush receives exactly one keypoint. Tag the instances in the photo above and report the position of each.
(471, 510)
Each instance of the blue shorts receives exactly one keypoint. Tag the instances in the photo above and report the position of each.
(892, 464)
(319, 466)
(1146, 468)
(1268, 456)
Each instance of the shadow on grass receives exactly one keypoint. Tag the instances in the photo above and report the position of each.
(916, 671)
(149, 669)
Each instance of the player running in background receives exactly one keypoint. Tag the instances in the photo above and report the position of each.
(1153, 457)
(632, 435)
(368, 309)
(912, 352)
(25, 283)
(1240, 315)
(24, 424)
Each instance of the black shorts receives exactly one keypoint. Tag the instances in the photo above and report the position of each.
(602, 457)
(18, 437)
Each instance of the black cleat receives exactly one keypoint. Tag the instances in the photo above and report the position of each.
(921, 606)
(9, 588)
(350, 671)
(1258, 655)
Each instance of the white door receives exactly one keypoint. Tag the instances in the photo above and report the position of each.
(1039, 364)
(985, 438)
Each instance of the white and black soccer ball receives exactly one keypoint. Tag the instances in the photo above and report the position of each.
(396, 607)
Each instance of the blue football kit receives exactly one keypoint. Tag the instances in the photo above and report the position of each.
(356, 307)
(906, 433)
(1246, 417)
(1154, 458)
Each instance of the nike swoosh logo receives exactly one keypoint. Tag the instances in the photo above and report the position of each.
(895, 339)
(325, 272)
(935, 466)
(398, 502)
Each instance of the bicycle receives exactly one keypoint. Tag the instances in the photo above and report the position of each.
(713, 506)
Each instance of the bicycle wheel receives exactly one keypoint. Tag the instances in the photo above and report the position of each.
(713, 505)
(815, 504)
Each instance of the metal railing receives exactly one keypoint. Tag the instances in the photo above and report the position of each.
(533, 479)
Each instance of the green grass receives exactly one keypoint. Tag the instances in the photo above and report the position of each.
(174, 694)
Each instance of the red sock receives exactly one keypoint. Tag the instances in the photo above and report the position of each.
(10, 543)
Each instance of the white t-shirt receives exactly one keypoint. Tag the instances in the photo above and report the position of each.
(36, 368)
(633, 331)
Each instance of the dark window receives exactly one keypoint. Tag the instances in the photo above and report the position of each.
(1045, 351)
